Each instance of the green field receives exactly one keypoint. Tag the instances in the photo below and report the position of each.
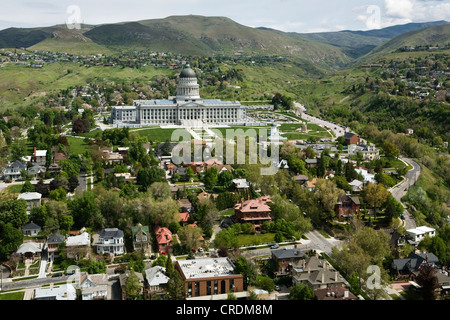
(12, 296)
(156, 134)
(77, 145)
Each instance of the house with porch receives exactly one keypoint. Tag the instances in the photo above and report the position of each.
(110, 240)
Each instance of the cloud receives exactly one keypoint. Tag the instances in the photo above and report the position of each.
(402, 9)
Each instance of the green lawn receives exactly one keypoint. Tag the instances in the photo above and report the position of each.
(12, 296)
(77, 145)
(255, 239)
(156, 134)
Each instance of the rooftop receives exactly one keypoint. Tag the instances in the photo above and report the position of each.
(206, 268)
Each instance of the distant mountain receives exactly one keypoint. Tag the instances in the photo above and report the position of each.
(198, 35)
(359, 43)
(438, 35)
(315, 53)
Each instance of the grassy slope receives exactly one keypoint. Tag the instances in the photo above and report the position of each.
(21, 85)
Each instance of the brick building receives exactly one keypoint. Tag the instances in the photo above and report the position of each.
(209, 276)
(254, 211)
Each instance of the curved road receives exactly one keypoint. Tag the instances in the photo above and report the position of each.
(400, 190)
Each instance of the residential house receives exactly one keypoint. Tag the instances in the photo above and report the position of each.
(13, 170)
(164, 240)
(54, 169)
(205, 196)
(58, 157)
(33, 199)
(210, 277)
(77, 246)
(311, 163)
(285, 259)
(123, 281)
(240, 185)
(39, 157)
(111, 158)
(37, 170)
(406, 268)
(53, 242)
(31, 229)
(368, 177)
(334, 292)
(62, 292)
(254, 211)
(156, 280)
(419, 233)
(310, 184)
(368, 152)
(141, 238)
(357, 186)
(182, 217)
(316, 273)
(30, 250)
(94, 286)
(186, 205)
(301, 178)
(110, 240)
(351, 138)
(347, 206)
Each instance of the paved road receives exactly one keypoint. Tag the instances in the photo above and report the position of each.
(399, 191)
(315, 242)
(335, 128)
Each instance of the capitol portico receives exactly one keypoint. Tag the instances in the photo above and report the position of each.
(187, 108)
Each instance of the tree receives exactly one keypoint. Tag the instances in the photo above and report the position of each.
(14, 211)
(390, 150)
(301, 292)
(10, 240)
(265, 283)
(27, 187)
(375, 195)
(210, 178)
(393, 208)
(327, 193)
(247, 269)
(176, 288)
(169, 266)
(428, 281)
(190, 237)
(225, 179)
(146, 177)
(133, 287)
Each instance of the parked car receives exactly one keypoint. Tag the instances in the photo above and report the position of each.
(402, 216)
(275, 246)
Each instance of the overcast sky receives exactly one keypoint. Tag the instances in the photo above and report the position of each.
(285, 15)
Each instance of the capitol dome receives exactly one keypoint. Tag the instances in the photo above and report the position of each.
(188, 73)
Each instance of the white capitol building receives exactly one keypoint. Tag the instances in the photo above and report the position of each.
(186, 109)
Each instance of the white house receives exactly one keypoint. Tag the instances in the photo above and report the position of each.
(419, 233)
(156, 278)
(33, 199)
(368, 177)
(63, 292)
(110, 240)
(94, 286)
(12, 171)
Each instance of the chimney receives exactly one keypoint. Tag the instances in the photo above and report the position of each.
(34, 153)
(323, 277)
